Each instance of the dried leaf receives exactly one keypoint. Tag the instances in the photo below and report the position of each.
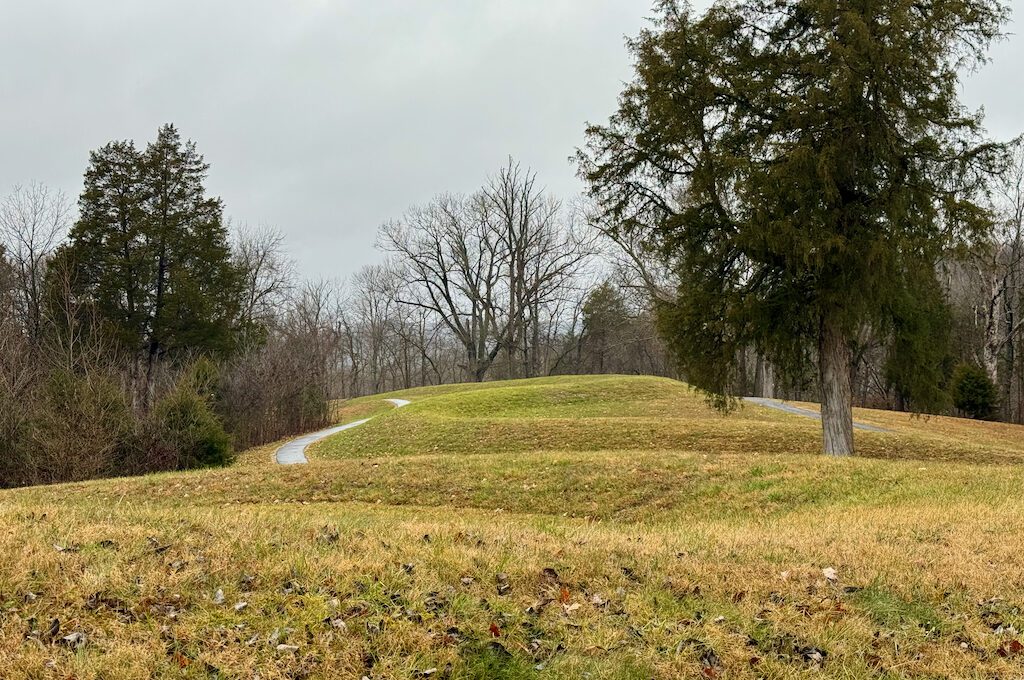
(156, 546)
(711, 665)
(812, 654)
(75, 640)
(1010, 648)
(51, 633)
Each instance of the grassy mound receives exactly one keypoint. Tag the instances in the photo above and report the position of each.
(595, 413)
(554, 528)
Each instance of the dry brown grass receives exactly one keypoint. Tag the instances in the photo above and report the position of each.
(671, 562)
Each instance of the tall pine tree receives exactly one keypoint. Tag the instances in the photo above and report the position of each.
(151, 250)
(802, 165)
(108, 242)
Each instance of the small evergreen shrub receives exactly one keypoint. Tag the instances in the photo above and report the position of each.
(974, 394)
(183, 429)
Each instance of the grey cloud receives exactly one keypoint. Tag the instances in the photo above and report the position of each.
(327, 117)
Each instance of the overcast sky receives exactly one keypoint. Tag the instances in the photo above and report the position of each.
(325, 118)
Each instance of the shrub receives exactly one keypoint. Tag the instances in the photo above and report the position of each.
(182, 430)
(15, 447)
(83, 427)
(974, 393)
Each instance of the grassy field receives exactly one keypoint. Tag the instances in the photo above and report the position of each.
(601, 527)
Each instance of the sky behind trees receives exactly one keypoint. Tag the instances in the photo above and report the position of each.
(325, 118)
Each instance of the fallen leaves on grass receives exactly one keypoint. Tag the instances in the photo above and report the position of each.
(75, 640)
(1010, 648)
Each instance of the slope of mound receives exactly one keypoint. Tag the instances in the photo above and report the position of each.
(593, 413)
(712, 546)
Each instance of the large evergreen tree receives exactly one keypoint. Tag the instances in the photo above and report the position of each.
(803, 165)
(108, 243)
(151, 250)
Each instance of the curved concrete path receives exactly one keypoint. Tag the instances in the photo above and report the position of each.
(294, 452)
(780, 405)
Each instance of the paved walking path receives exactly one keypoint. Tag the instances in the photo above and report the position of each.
(294, 452)
(807, 413)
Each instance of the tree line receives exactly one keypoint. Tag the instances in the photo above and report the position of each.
(146, 333)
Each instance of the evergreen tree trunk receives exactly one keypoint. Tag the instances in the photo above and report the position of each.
(154, 339)
(836, 396)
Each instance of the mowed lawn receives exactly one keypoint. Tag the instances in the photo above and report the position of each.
(601, 527)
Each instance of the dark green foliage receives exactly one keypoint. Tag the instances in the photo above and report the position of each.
(799, 165)
(108, 246)
(87, 417)
(196, 287)
(920, 358)
(73, 426)
(183, 428)
(617, 335)
(974, 392)
(605, 317)
(604, 311)
(151, 251)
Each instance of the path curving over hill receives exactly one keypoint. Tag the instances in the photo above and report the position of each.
(294, 452)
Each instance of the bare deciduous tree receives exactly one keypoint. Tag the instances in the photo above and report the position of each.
(455, 265)
(268, 275)
(488, 264)
(544, 251)
(33, 220)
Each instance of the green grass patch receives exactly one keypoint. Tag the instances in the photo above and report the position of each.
(894, 612)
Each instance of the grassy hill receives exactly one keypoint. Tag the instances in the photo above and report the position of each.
(603, 527)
